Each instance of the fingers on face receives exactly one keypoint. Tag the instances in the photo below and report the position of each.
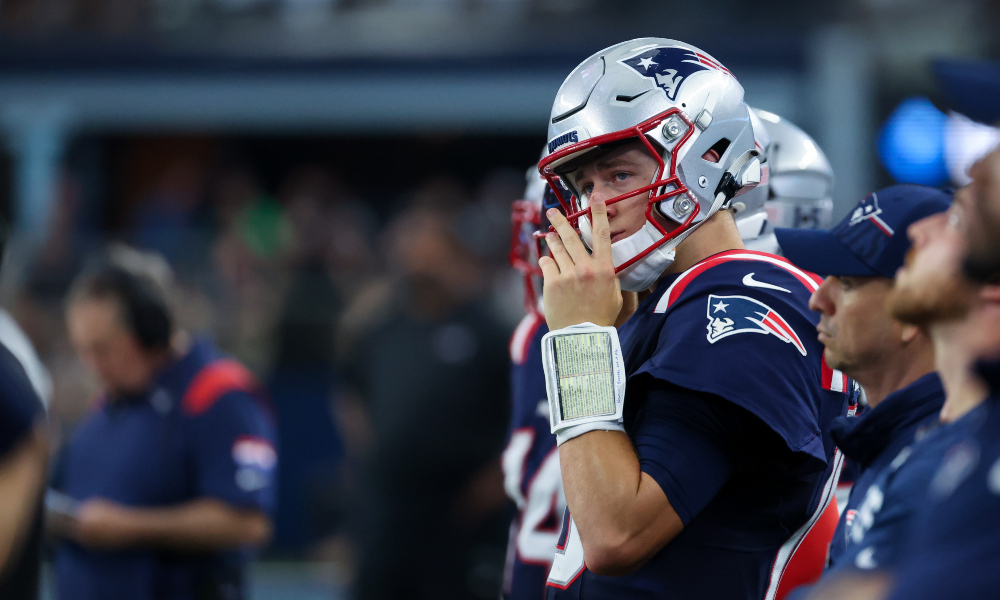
(569, 238)
(559, 253)
(549, 268)
(602, 230)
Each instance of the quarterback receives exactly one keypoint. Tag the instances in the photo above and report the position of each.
(691, 439)
(795, 187)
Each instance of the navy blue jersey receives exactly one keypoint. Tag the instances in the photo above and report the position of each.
(19, 404)
(200, 431)
(531, 468)
(878, 531)
(955, 546)
(875, 441)
(736, 327)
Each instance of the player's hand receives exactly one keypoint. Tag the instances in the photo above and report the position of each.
(103, 524)
(580, 287)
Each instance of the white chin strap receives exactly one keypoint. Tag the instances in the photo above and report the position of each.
(643, 274)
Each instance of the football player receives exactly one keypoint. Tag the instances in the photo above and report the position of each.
(801, 198)
(530, 460)
(707, 479)
(799, 191)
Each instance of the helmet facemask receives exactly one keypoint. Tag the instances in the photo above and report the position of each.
(666, 184)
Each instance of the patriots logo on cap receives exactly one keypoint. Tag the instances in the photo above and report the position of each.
(730, 315)
(670, 66)
(868, 210)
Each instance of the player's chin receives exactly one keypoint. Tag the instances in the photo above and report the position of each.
(833, 359)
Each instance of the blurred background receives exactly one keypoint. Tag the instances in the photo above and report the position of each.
(299, 162)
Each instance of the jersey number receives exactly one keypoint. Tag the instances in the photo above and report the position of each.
(541, 502)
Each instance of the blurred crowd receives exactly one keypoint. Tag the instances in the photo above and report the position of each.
(324, 295)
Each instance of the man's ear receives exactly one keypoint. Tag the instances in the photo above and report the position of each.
(908, 333)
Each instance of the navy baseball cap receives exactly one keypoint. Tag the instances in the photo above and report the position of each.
(869, 242)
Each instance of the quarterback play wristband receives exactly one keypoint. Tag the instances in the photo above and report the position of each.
(584, 379)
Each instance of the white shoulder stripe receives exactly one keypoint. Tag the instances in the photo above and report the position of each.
(664, 301)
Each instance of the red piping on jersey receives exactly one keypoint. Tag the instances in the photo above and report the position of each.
(802, 569)
(215, 380)
(810, 280)
(806, 565)
(571, 581)
(828, 374)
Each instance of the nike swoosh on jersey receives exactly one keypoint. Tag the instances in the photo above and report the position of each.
(750, 281)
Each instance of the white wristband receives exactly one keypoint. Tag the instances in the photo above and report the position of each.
(584, 378)
(572, 431)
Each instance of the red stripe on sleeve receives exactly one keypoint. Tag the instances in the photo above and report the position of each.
(214, 381)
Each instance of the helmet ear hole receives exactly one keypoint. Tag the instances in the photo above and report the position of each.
(719, 148)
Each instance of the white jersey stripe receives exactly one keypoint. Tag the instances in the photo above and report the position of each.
(812, 285)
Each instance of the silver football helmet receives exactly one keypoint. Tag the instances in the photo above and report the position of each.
(679, 102)
(801, 186)
(799, 190)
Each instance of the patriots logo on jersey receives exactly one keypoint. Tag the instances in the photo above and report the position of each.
(730, 315)
(669, 67)
(868, 210)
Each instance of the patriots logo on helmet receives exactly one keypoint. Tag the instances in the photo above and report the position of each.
(730, 315)
(869, 210)
(670, 66)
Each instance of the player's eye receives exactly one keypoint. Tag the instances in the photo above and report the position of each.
(585, 190)
(621, 176)
(850, 283)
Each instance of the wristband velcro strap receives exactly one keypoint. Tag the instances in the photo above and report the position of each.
(584, 375)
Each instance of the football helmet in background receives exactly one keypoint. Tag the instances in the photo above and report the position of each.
(801, 190)
(526, 237)
(751, 218)
(679, 102)
(800, 186)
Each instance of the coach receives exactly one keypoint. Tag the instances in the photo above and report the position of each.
(171, 479)
(893, 361)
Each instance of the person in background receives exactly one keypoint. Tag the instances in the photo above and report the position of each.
(165, 486)
(892, 361)
(25, 392)
(23, 455)
(956, 542)
(532, 478)
(429, 367)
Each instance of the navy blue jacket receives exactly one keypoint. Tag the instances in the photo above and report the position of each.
(875, 441)
(199, 431)
(955, 551)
